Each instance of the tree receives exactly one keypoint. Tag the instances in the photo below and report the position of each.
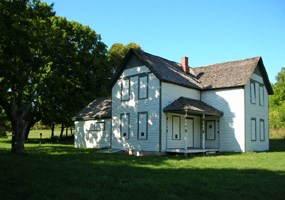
(117, 53)
(82, 72)
(277, 102)
(47, 65)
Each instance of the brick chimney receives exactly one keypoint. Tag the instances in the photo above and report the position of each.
(184, 64)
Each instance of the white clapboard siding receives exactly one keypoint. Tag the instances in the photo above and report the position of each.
(92, 133)
(259, 112)
(232, 123)
(135, 105)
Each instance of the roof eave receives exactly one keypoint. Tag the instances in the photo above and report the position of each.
(191, 112)
(265, 77)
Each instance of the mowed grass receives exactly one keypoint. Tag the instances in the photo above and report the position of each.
(59, 171)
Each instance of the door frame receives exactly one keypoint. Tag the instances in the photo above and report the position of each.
(189, 134)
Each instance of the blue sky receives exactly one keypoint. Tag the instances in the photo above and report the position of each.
(207, 31)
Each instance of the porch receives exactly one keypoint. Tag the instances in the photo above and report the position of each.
(192, 126)
(192, 150)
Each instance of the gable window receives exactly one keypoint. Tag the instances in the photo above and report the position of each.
(252, 93)
(98, 126)
(253, 129)
(210, 130)
(143, 87)
(125, 89)
(124, 126)
(176, 132)
(261, 95)
(142, 125)
(262, 130)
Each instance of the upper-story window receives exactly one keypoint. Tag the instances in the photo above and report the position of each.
(125, 89)
(252, 92)
(143, 87)
(261, 95)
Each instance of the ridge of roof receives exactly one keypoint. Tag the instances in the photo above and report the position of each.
(167, 70)
(220, 75)
(229, 62)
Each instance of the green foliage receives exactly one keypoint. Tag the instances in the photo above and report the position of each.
(49, 67)
(5, 125)
(277, 102)
(118, 51)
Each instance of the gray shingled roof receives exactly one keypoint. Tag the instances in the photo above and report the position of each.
(230, 74)
(100, 108)
(162, 68)
(192, 106)
(221, 75)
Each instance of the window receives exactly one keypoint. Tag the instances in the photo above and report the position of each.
(253, 129)
(262, 130)
(143, 87)
(176, 128)
(98, 126)
(210, 130)
(142, 125)
(124, 127)
(252, 93)
(125, 89)
(261, 95)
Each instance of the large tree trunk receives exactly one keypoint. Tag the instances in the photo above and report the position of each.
(61, 131)
(30, 125)
(52, 130)
(19, 127)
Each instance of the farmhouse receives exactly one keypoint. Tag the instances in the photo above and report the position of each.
(158, 105)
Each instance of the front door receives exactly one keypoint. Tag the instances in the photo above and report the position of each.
(189, 132)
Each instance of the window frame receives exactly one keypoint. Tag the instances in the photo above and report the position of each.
(146, 126)
(214, 124)
(261, 95)
(252, 92)
(262, 129)
(253, 135)
(128, 90)
(128, 125)
(146, 88)
(98, 128)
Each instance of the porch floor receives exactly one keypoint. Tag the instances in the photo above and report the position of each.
(191, 150)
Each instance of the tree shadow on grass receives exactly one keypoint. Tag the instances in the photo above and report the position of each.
(277, 145)
(85, 174)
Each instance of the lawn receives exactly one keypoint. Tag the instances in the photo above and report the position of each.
(59, 171)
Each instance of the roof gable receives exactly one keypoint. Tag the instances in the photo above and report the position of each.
(163, 69)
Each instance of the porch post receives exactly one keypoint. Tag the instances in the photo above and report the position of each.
(185, 132)
(203, 131)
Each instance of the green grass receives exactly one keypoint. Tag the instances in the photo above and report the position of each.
(59, 171)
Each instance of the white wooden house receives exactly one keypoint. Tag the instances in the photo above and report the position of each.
(162, 106)
(93, 125)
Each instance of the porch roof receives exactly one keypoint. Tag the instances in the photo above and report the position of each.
(192, 106)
